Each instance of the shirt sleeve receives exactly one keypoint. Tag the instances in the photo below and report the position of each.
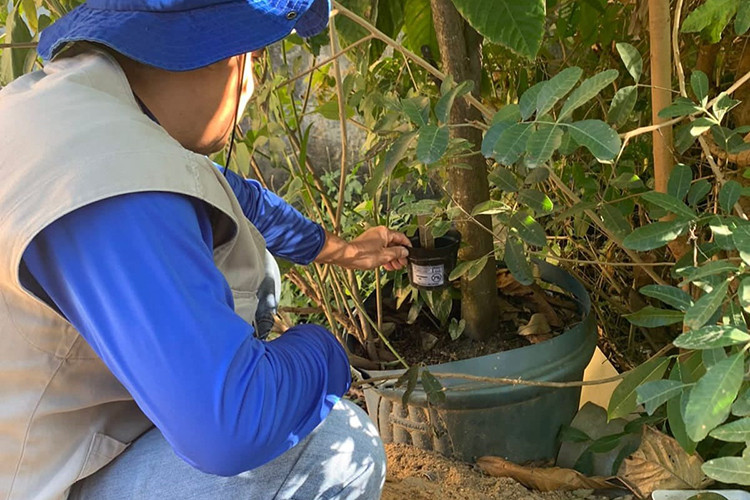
(288, 233)
(134, 274)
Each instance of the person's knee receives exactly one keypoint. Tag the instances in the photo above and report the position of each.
(362, 447)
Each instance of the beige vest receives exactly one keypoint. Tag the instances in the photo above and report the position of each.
(70, 135)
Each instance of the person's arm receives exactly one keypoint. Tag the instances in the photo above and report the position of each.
(134, 274)
(291, 235)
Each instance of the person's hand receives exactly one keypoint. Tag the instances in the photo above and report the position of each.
(377, 246)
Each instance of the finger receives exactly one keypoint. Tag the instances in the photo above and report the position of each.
(393, 253)
(389, 266)
(397, 238)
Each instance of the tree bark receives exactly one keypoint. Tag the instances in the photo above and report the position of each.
(661, 88)
(460, 53)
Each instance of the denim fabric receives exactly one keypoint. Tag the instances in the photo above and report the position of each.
(342, 459)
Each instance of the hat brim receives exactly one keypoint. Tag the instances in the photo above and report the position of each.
(180, 41)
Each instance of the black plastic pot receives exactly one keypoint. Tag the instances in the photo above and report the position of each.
(429, 268)
(517, 422)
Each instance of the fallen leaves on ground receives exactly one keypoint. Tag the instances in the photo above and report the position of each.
(660, 463)
(542, 478)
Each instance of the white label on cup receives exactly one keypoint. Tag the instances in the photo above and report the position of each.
(428, 275)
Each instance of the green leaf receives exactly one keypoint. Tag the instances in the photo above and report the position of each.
(543, 142)
(710, 268)
(432, 387)
(732, 470)
(444, 105)
(421, 207)
(432, 143)
(456, 328)
(516, 261)
(682, 138)
(555, 89)
(742, 21)
(417, 109)
(743, 293)
(409, 377)
(528, 229)
(722, 228)
(535, 200)
(709, 357)
(669, 203)
(508, 113)
(512, 143)
(489, 141)
(670, 295)
(711, 337)
(657, 392)
(614, 221)
(504, 179)
(698, 192)
(490, 207)
(682, 106)
(674, 412)
(623, 400)
(527, 102)
(470, 267)
(596, 136)
(632, 59)
(735, 432)
(651, 317)
(419, 29)
(741, 237)
(705, 307)
(330, 110)
(711, 398)
(741, 406)
(589, 89)
(12, 61)
(699, 82)
(729, 195)
(518, 26)
(572, 435)
(723, 104)
(655, 235)
(622, 105)
(397, 151)
(679, 181)
(537, 175)
(710, 19)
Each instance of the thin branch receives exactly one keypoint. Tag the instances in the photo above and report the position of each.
(512, 381)
(18, 45)
(342, 123)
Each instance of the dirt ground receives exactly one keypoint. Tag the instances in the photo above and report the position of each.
(415, 474)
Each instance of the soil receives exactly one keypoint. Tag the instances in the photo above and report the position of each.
(415, 474)
(424, 342)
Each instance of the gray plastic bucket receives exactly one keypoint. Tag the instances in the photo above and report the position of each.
(517, 422)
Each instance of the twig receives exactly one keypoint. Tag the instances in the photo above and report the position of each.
(342, 122)
(512, 381)
(18, 45)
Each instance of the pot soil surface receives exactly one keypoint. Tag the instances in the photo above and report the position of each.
(415, 474)
(529, 315)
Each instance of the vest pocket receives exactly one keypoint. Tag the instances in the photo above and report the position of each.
(245, 304)
(103, 450)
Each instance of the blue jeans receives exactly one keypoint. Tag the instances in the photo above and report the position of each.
(343, 458)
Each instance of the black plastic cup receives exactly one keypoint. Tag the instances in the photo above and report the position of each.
(429, 268)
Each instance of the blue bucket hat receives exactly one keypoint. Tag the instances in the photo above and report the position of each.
(181, 35)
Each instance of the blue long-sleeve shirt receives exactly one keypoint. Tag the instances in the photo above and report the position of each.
(134, 274)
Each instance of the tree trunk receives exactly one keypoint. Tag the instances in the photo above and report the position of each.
(460, 52)
(661, 88)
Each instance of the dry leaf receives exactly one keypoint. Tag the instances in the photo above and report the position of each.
(537, 325)
(542, 478)
(428, 341)
(660, 463)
